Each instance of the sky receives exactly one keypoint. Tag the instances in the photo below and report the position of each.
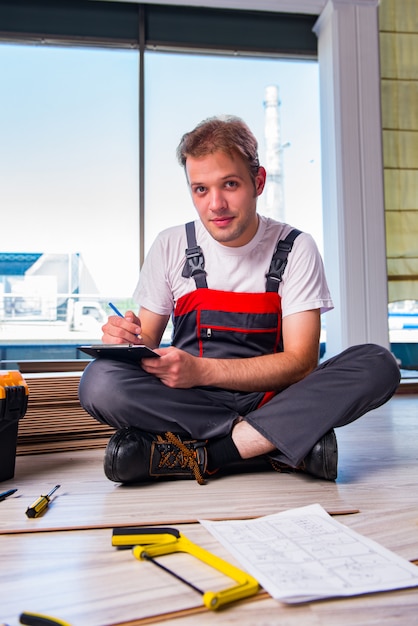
(69, 150)
(212, 85)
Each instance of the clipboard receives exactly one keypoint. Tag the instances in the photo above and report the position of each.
(119, 352)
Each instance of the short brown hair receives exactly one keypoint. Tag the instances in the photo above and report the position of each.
(226, 133)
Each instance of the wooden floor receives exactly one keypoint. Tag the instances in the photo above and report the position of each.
(63, 564)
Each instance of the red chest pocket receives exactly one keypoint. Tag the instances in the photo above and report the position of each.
(222, 324)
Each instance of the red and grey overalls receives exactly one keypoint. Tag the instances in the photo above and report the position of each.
(222, 324)
(212, 323)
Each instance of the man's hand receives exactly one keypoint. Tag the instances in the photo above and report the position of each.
(122, 329)
(176, 368)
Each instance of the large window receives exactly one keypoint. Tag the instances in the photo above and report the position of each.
(77, 145)
(69, 194)
(70, 168)
(82, 127)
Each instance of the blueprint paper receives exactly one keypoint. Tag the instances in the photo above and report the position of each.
(304, 554)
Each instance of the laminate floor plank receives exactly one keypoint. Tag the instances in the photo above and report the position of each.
(63, 563)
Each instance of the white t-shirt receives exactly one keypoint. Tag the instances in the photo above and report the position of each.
(243, 269)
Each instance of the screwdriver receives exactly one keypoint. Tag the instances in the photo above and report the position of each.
(40, 504)
(35, 619)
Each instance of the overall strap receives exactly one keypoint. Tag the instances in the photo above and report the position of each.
(194, 266)
(279, 260)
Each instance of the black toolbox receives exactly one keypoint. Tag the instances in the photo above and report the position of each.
(14, 394)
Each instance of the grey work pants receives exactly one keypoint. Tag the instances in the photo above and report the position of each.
(336, 393)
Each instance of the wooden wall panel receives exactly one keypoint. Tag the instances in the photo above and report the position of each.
(399, 104)
(402, 240)
(398, 15)
(398, 55)
(398, 23)
(400, 149)
(401, 190)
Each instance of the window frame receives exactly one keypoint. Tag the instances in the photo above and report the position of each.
(348, 55)
(152, 27)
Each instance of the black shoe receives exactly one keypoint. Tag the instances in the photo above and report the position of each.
(322, 460)
(135, 456)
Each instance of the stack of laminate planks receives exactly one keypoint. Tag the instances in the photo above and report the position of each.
(55, 420)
